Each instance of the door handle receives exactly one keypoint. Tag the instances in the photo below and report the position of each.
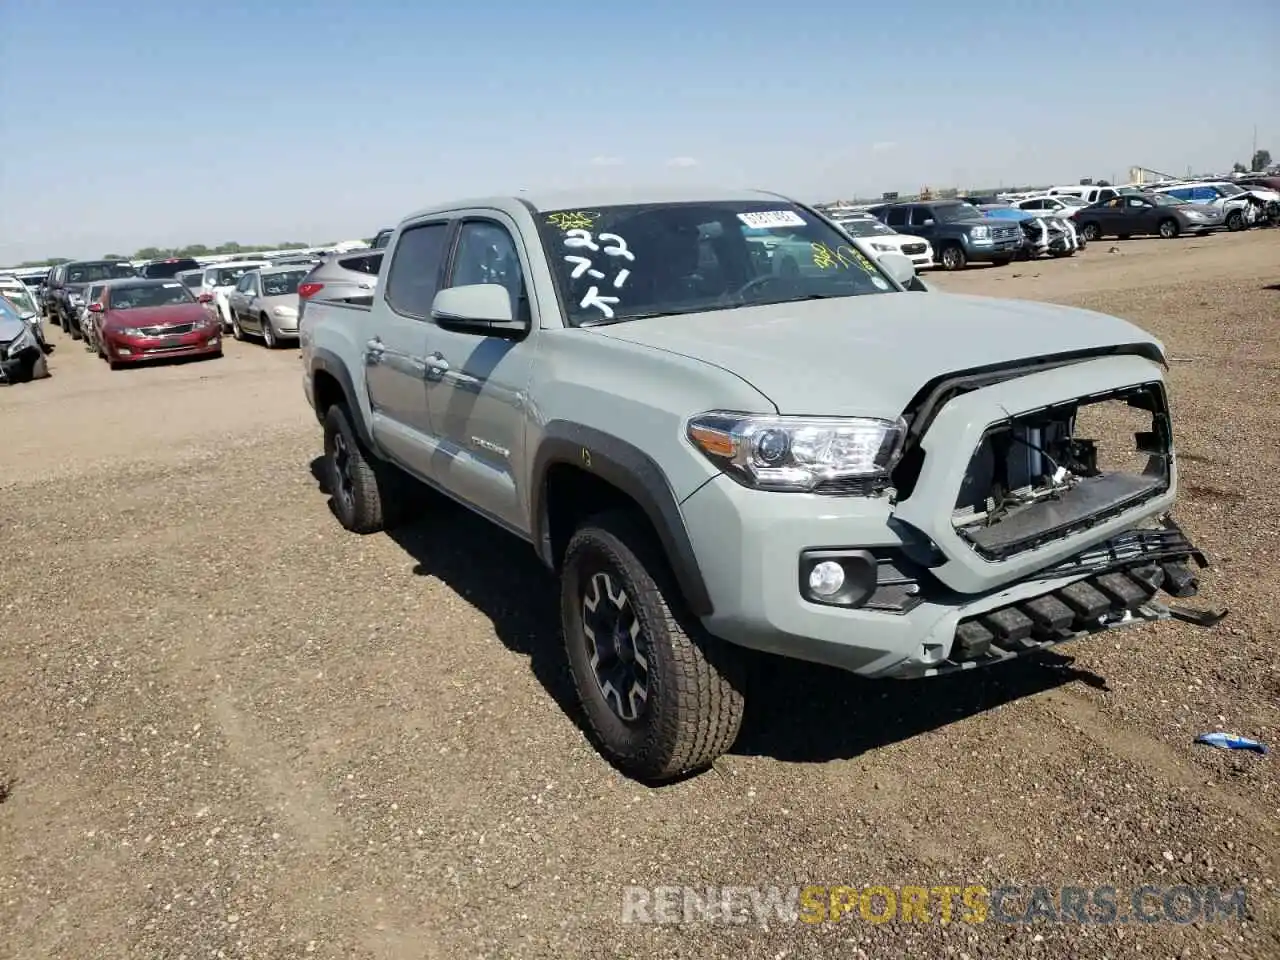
(365, 286)
(436, 363)
(373, 351)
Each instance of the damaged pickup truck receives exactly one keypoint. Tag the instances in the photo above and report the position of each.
(713, 455)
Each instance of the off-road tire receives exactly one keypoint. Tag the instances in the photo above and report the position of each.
(371, 501)
(952, 257)
(1169, 228)
(695, 700)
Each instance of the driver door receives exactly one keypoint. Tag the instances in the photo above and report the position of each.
(1140, 215)
(478, 386)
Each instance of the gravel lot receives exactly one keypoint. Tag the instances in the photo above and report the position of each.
(232, 730)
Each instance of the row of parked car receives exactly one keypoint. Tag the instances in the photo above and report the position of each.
(173, 307)
(953, 233)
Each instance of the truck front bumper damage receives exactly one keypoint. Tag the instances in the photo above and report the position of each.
(930, 602)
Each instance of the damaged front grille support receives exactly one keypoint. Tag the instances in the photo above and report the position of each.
(1033, 479)
(1103, 601)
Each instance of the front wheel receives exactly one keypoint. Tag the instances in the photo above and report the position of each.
(236, 332)
(661, 697)
(1236, 221)
(1169, 228)
(268, 332)
(953, 257)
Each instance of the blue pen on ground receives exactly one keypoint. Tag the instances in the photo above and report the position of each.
(1227, 741)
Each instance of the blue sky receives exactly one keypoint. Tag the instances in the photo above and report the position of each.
(152, 122)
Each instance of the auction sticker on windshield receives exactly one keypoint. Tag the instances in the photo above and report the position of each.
(772, 219)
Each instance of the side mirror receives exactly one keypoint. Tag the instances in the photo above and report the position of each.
(928, 223)
(483, 309)
(899, 267)
(205, 298)
(97, 308)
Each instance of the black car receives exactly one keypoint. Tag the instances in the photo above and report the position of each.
(168, 268)
(66, 284)
(1137, 215)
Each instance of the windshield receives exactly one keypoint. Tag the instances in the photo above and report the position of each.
(864, 228)
(151, 295)
(109, 270)
(21, 299)
(1228, 189)
(625, 262)
(1164, 200)
(1073, 201)
(951, 212)
(282, 284)
(7, 311)
(227, 276)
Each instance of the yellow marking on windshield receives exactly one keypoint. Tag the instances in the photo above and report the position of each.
(573, 219)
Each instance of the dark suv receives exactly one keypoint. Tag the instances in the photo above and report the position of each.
(167, 269)
(65, 289)
(957, 230)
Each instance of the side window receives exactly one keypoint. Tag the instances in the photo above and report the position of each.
(487, 254)
(242, 285)
(1035, 204)
(1204, 195)
(897, 217)
(414, 274)
(919, 215)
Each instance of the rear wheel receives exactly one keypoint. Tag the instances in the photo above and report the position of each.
(366, 495)
(1091, 232)
(660, 695)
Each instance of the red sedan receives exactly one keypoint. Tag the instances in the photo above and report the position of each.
(153, 320)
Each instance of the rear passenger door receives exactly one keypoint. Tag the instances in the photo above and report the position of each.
(479, 389)
(396, 355)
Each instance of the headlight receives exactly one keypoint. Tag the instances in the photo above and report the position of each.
(884, 247)
(23, 341)
(129, 332)
(797, 453)
(980, 233)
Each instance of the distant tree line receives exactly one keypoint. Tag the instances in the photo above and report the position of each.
(1261, 160)
(194, 250)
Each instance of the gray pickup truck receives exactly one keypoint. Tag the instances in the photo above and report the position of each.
(714, 453)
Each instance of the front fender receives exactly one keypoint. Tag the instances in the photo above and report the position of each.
(636, 474)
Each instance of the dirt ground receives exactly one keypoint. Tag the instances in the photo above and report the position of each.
(231, 729)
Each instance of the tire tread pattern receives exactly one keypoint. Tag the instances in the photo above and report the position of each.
(704, 674)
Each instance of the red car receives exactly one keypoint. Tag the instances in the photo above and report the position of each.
(152, 320)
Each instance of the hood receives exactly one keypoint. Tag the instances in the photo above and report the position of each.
(869, 355)
(159, 316)
(10, 327)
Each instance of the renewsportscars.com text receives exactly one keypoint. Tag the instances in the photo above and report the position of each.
(942, 903)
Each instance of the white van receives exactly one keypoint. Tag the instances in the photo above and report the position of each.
(1088, 194)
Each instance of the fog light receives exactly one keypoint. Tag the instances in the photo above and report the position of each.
(826, 578)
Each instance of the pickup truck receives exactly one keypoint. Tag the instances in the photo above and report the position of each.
(716, 456)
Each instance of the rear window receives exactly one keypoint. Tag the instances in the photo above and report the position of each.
(282, 284)
(103, 270)
(369, 263)
(164, 269)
